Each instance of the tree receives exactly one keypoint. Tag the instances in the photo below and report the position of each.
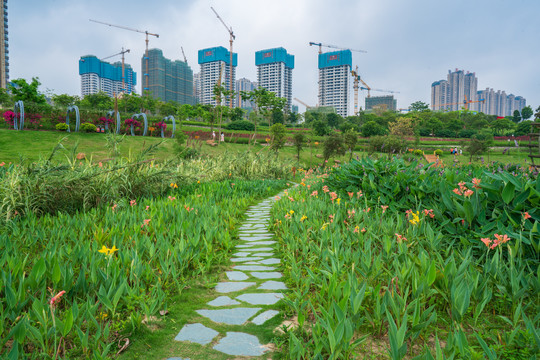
(277, 116)
(5, 98)
(168, 108)
(502, 125)
(130, 103)
(371, 128)
(537, 115)
(293, 118)
(476, 147)
(402, 126)
(237, 114)
(320, 128)
(279, 136)
(21, 90)
(98, 101)
(419, 106)
(333, 120)
(350, 138)
(523, 128)
(517, 116)
(333, 145)
(64, 100)
(298, 140)
(526, 113)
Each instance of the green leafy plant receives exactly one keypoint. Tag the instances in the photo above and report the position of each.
(62, 126)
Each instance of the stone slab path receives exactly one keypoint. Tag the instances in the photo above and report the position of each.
(248, 296)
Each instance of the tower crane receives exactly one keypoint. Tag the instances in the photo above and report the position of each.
(232, 38)
(183, 53)
(123, 73)
(465, 103)
(320, 45)
(139, 31)
(303, 103)
(357, 79)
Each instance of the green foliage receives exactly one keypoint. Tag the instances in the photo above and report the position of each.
(100, 101)
(299, 140)
(526, 112)
(438, 152)
(62, 126)
(476, 147)
(28, 93)
(87, 127)
(64, 100)
(279, 136)
(418, 152)
(333, 145)
(277, 116)
(350, 139)
(371, 128)
(523, 128)
(241, 125)
(419, 106)
(320, 128)
(388, 144)
(333, 120)
(117, 264)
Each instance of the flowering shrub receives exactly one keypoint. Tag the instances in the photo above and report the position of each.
(161, 125)
(105, 121)
(8, 117)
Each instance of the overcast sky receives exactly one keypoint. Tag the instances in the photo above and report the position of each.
(409, 44)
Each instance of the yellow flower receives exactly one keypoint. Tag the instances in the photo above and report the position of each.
(338, 200)
(415, 218)
(324, 226)
(291, 212)
(107, 251)
(174, 186)
(304, 217)
(198, 181)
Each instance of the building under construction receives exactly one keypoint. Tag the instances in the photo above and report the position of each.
(97, 75)
(169, 80)
(385, 103)
(334, 83)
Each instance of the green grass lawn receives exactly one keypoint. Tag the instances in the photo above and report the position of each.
(33, 145)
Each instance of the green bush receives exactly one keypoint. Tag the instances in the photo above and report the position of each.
(87, 127)
(241, 125)
(438, 152)
(62, 126)
(387, 144)
(418, 152)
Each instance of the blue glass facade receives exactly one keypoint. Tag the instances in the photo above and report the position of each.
(335, 58)
(218, 53)
(270, 56)
(91, 64)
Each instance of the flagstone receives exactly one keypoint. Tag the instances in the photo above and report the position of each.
(227, 287)
(240, 344)
(234, 316)
(223, 301)
(197, 333)
(254, 268)
(267, 275)
(265, 316)
(260, 298)
(272, 285)
(236, 276)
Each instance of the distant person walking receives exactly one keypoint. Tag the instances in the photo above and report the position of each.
(213, 135)
(222, 136)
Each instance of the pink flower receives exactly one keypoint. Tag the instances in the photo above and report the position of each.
(526, 215)
(457, 191)
(367, 210)
(333, 196)
(100, 164)
(147, 207)
(56, 298)
(476, 183)
(172, 198)
(325, 189)
(363, 230)
(2, 163)
(358, 194)
(351, 194)
(429, 213)
(384, 207)
(356, 229)
(145, 222)
(400, 238)
(113, 208)
(468, 193)
(291, 198)
(486, 241)
(315, 193)
(133, 202)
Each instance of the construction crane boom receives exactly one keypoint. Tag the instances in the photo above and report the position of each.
(320, 45)
(139, 31)
(303, 103)
(388, 91)
(123, 71)
(465, 103)
(232, 38)
(183, 53)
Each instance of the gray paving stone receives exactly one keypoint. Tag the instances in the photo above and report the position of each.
(266, 275)
(254, 248)
(265, 242)
(253, 268)
(240, 344)
(242, 253)
(227, 287)
(246, 258)
(236, 276)
(197, 333)
(254, 231)
(263, 254)
(177, 358)
(272, 285)
(269, 261)
(252, 226)
(223, 301)
(261, 298)
(256, 238)
(235, 316)
(262, 318)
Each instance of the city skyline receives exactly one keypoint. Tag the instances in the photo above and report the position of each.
(408, 44)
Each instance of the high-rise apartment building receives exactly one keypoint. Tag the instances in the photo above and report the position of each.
(215, 62)
(461, 87)
(274, 72)
(498, 103)
(334, 83)
(97, 75)
(196, 88)
(450, 94)
(246, 85)
(169, 80)
(4, 49)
